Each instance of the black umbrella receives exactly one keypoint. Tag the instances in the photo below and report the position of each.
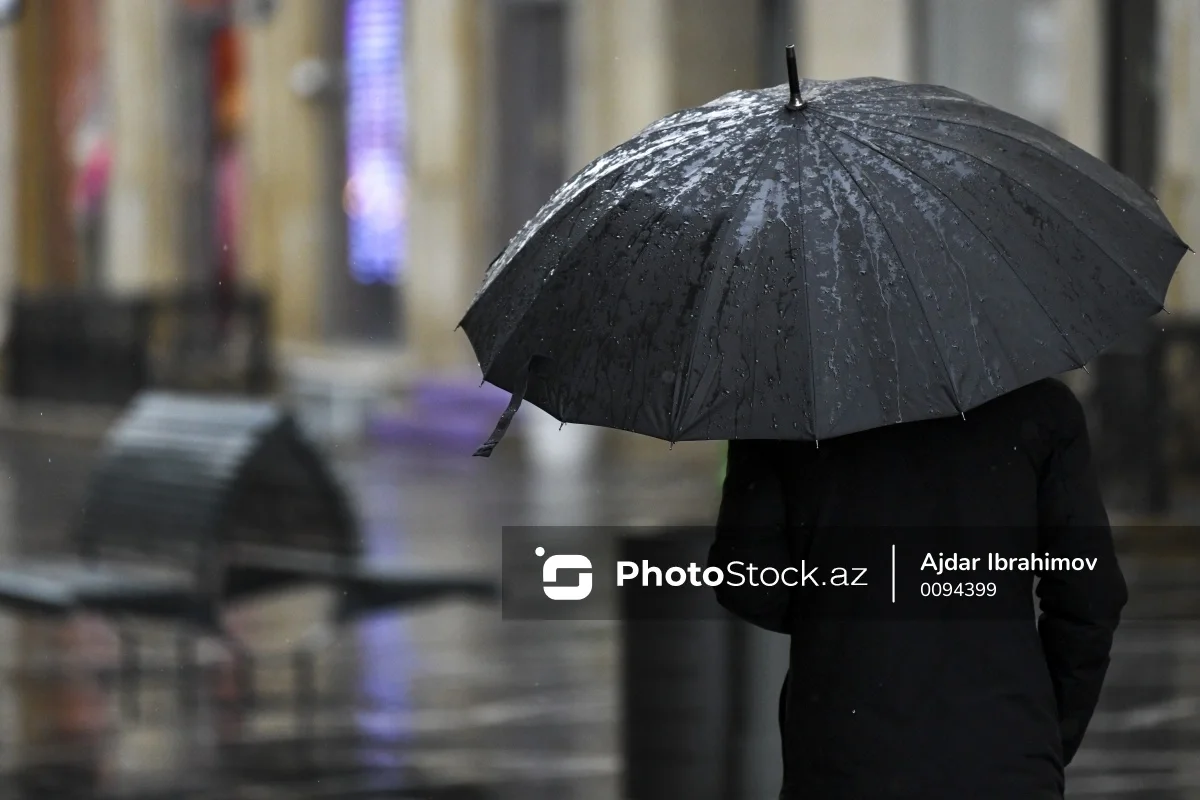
(810, 261)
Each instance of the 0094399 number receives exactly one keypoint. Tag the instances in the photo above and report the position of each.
(958, 590)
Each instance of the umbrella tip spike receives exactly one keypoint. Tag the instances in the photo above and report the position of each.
(1086, 371)
(796, 102)
(963, 414)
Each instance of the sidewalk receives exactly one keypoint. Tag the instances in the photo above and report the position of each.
(46, 418)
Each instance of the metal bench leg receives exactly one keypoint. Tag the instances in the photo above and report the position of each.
(188, 688)
(245, 676)
(305, 688)
(131, 674)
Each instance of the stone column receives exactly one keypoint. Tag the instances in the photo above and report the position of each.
(288, 220)
(715, 49)
(1083, 114)
(444, 256)
(9, 268)
(143, 205)
(33, 99)
(851, 38)
(1179, 181)
(621, 77)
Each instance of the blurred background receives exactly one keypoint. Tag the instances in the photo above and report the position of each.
(285, 207)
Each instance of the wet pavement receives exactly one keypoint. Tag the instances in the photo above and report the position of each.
(529, 709)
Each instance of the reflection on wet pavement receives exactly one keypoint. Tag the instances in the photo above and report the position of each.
(531, 708)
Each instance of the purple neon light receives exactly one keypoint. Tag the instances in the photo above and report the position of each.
(376, 189)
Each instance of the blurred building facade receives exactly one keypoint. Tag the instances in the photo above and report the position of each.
(293, 144)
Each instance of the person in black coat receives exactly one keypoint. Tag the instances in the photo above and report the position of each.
(958, 702)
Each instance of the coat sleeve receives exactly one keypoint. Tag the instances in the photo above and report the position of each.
(751, 531)
(1080, 610)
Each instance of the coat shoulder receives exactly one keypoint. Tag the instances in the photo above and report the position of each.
(1053, 401)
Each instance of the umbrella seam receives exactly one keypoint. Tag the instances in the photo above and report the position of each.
(812, 348)
(1170, 229)
(686, 366)
(900, 259)
(1136, 278)
(986, 237)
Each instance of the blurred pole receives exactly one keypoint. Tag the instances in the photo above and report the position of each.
(1132, 75)
(679, 696)
(849, 38)
(290, 85)
(194, 98)
(144, 247)
(1128, 415)
(445, 110)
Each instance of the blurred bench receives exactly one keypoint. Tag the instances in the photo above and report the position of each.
(70, 348)
(196, 504)
(92, 348)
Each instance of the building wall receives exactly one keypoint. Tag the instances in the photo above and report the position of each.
(853, 38)
(1180, 164)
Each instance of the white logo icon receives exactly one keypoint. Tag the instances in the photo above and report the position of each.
(550, 575)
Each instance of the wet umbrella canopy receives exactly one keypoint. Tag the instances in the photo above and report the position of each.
(813, 260)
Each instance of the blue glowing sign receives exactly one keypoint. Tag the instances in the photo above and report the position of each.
(375, 191)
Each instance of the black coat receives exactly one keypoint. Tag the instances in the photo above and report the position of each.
(928, 708)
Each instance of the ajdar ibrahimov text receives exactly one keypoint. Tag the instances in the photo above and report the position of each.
(998, 563)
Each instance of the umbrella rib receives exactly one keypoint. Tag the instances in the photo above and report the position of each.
(986, 237)
(812, 348)
(875, 113)
(686, 366)
(900, 259)
(1136, 278)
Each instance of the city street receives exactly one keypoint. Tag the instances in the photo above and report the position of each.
(531, 709)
